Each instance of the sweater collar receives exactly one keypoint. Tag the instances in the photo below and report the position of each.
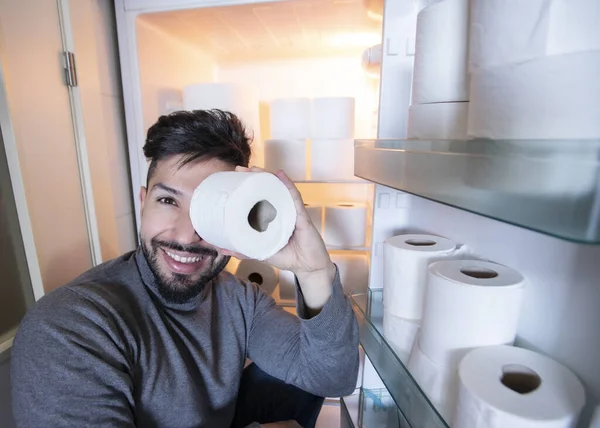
(150, 281)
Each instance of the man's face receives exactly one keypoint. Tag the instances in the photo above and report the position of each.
(182, 262)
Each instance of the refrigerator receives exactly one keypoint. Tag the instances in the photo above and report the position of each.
(323, 48)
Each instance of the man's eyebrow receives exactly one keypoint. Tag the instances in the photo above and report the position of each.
(167, 189)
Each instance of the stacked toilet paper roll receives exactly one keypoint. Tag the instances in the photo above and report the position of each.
(251, 213)
(332, 159)
(438, 121)
(440, 84)
(332, 118)
(405, 262)
(469, 304)
(264, 275)
(287, 285)
(506, 32)
(440, 71)
(505, 386)
(286, 155)
(290, 118)
(345, 225)
(400, 333)
(328, 121)
(534, 69)
(354, 271)
(315, 212)
(551, 97)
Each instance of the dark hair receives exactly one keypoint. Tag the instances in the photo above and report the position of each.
(198, 135)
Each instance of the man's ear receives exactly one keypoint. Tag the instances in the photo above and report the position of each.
(143, 192)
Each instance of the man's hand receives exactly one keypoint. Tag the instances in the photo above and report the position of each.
(305, 254)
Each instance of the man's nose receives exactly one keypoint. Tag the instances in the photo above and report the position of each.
(185, 231)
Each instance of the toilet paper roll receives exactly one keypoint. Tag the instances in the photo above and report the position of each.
(555, 97)
(287, 285)
(345, 225)
(400, 333)
(354, 272)
(506, 32)
(322, 166)
(315, 212)
(405, 262)
(438, 382)
(504, 386)
(469, 303)
(264, 275)
(333, 118)
(440, 70)
(288, 155)
(251, 213)
(573, 26)
(438, 121)
(290, 118)
(224, 96)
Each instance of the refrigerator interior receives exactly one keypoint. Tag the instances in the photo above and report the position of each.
(280, 49)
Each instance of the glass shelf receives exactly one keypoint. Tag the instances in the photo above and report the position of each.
(349, 410)
(414, 405)
(550, 186)
(371, 408)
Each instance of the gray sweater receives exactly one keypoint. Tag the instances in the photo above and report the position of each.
(106, 350)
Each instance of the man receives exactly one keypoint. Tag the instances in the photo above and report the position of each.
(159, 337)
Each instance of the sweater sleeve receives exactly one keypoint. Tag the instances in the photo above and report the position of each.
(318, 355)
(69, 367)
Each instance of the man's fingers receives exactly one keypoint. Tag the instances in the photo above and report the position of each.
(296, 196)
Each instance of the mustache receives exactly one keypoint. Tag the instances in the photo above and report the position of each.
(192, 249)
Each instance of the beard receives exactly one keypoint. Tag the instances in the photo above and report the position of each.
(177, 287)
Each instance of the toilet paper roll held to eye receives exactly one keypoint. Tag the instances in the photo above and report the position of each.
(405, 262)
(251, 213)
(440, 70)
(345, 225)
(469, 303)
(264, 275)
(505, 386)
(286, 155)
(438, 121)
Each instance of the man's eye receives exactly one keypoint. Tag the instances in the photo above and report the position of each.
(167, 201)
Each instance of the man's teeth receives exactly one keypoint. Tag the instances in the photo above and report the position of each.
(183, 259)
